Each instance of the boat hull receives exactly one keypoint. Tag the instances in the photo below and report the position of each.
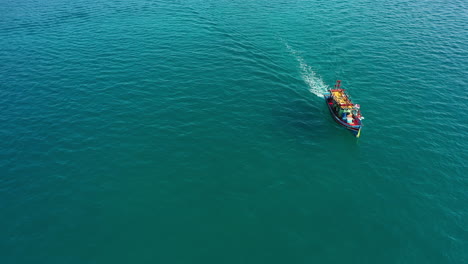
(355, 130)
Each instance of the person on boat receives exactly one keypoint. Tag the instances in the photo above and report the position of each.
(349, 118)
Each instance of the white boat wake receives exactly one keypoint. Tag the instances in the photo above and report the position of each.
(315, 83)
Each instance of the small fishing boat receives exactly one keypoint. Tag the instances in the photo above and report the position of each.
(343, 111)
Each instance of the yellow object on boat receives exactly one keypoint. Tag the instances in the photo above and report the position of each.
(341, 98)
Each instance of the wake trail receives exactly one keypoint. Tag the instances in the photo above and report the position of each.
(315, 83)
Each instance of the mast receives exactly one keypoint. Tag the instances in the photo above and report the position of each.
(338, 84)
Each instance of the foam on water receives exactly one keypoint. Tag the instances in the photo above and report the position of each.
(315, 83)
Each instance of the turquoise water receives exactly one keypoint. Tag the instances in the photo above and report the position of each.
(193, 132)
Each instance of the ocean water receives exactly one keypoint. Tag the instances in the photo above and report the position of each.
(193, 131)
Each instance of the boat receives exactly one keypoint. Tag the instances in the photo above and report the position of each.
(343, 110)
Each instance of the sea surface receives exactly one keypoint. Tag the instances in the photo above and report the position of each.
(190, 131)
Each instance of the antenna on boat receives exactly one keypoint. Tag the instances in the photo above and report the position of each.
(338, 84)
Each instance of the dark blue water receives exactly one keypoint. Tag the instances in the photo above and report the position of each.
(194, 132)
